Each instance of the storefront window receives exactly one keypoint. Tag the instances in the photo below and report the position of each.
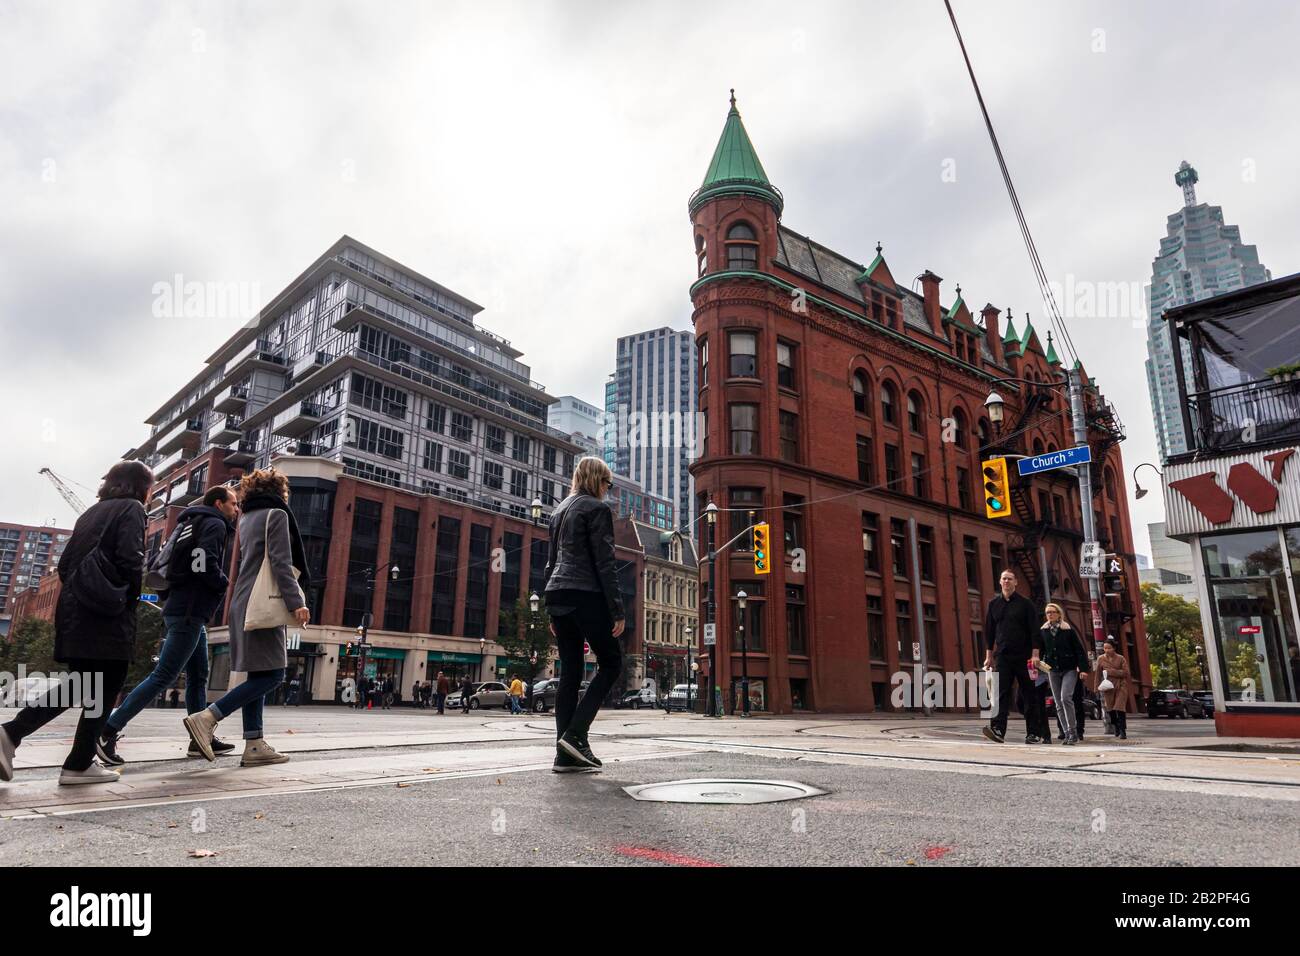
(1253, 611)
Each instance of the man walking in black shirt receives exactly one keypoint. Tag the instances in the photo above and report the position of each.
(1011, 630)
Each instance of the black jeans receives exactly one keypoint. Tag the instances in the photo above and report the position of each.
(1009, 672)
(589, 622)
(32, 718)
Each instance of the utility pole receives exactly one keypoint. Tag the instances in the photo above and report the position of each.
(1079, 421)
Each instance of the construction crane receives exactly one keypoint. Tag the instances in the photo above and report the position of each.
(62, 488)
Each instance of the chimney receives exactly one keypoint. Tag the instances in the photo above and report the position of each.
(930, 292)
(990, 314)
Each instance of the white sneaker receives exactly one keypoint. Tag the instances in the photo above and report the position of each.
(202, 727)
(95, 773)
(6, 756)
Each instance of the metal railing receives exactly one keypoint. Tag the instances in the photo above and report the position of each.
(1243, 416)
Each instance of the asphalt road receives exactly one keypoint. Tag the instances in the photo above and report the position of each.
(870, 815)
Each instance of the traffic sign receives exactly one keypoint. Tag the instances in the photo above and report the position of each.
(710, 635)
(916, 650)
(1090, 559)
(1053, 460)
(149, 598)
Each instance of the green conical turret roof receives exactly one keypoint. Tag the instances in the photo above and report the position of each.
(1010, 335)
(735, 168)
(1051, 351)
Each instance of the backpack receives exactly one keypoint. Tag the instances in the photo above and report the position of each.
(170, 565)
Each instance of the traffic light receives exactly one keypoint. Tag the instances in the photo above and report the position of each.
(762, 564)
(1112, 575)
(997, 490)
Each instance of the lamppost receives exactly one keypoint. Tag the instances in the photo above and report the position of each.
(482, 658)
(536, 510)
(1178, 663)
(710, 610)
(366, 620)
(533, 603)
(1200, 662)
(691, 666)
(1138, 490)
(1073, 385)
(741, 598)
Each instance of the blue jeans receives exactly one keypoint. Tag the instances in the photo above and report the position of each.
(185, 646)
(249, 696)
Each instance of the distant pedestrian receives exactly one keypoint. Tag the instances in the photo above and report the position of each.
(466, 691)
(267, 531)
(295, 688)
(1111, 669)
(1065, 656)
(388, 693)
(516, 695)
(585, 605)
(444, 688)
(1011, 630)
(102, 570)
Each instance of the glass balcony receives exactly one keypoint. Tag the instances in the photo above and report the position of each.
(298, 419)
(185, 434)
(169, 462)
(232, 398)
(225, 429)
(310, 364)
(258, 353)
(240, 454)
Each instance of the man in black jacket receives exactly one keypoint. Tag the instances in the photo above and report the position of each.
(1011, 630)
(198, 589)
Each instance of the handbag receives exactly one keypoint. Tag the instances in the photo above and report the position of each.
(93, 582)
(1105, 682)
(266, 607)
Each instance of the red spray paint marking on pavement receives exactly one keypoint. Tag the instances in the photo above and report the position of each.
(662, 856)
(935, 852)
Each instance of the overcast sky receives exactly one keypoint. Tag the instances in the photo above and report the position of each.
(537, 157)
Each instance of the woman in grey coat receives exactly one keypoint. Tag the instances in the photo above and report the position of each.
(266, 529)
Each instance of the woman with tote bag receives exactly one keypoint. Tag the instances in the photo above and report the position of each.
(268, 595)
(1112, 673)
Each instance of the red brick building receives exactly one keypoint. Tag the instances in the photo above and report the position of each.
(39, 602)
(838, 405)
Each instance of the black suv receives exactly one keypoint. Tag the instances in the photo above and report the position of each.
(1174, 703)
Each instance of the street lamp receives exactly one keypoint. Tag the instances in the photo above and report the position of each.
(1139, 491)
(710, 609)
(1200, 661)
(994, 405)
(482, 657)
(741, 598)
(536, 509)
(533, 603)
(367, 619)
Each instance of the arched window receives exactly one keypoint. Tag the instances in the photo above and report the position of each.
(861, 393)
(1038, 446)
(888, 404)
(982, 430)
(1110, 484)
(701, 256)
(959, 428)
(742, 247)
(915, 413)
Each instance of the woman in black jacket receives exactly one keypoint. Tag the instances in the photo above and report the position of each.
(1064, 654)
(101, 571)
(585, 605)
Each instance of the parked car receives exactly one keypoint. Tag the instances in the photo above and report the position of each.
(453, 699)
(1207, 701)
(636, 699)
(1174, 703)
(20, 693)
(677, 697)
(544, 692)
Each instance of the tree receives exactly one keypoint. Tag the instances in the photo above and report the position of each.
(31, 642)
(1166, 613)
(521, 641)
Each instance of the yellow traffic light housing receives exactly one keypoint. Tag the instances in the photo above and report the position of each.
(762, 555)
(997, 489)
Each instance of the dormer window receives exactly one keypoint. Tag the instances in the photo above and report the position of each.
(742, 248)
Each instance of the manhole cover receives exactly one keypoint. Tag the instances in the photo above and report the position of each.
(722, 791)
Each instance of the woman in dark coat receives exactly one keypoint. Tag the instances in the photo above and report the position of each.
(586, 606)
(101, 571)
(266, 529)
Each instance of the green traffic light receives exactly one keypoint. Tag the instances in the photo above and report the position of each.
(995, 504)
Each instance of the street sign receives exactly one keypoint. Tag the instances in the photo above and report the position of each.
(1090, 559)
(1054, 459)
(586, 648)
(916, 650)
(710, 635)
(149, 598)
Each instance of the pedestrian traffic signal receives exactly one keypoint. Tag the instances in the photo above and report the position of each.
(762, 562)
(1112, 577)
(997, 490)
